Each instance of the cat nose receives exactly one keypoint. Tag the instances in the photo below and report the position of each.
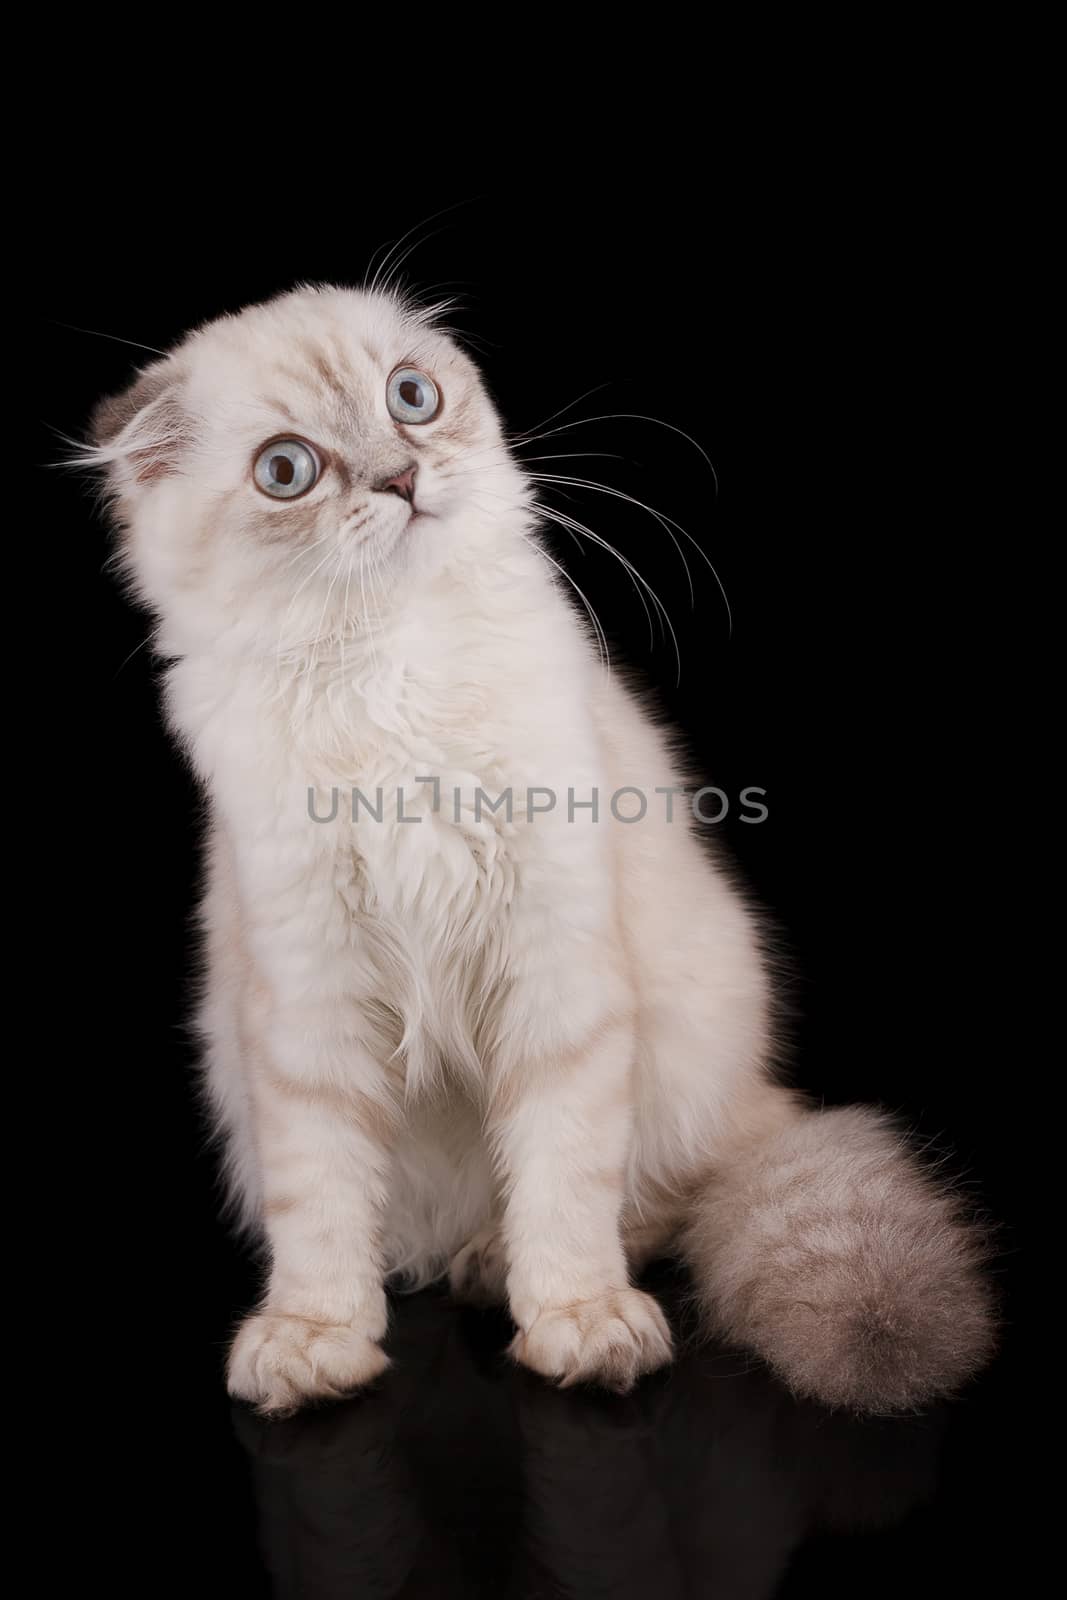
(401, 483)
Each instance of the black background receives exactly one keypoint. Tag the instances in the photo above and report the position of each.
(830, 336)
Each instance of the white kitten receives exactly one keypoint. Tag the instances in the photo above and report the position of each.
(529, 1042)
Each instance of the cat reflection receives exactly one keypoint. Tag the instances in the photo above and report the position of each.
(465, 1477)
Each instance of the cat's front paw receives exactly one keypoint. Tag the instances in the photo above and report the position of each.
(279, 1363)
(611, 1340)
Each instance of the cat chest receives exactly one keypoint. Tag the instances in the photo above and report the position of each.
(409, 865)
(426, 909)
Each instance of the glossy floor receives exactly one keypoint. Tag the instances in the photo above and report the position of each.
(460, 1475)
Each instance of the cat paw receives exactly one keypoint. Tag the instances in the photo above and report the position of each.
(611, 1340)
(478, 1274)
(279, 1363)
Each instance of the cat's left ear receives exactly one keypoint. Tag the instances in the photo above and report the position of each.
(140, 433)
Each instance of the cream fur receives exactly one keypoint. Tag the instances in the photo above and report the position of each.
(531, 1048)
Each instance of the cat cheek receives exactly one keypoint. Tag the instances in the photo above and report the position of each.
(296, 525)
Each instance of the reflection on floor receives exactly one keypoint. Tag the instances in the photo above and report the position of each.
(460, 1475)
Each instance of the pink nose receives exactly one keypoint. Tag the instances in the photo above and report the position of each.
(402, 483)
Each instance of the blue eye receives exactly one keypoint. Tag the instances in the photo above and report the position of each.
(286, 468)
(412, 396)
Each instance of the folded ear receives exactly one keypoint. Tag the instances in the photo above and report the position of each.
(144, 427)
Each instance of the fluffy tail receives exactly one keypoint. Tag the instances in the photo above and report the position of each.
(829, 1250)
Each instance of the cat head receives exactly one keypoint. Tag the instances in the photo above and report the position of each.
(299, 457)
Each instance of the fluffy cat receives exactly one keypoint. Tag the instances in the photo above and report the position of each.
(449, 1026)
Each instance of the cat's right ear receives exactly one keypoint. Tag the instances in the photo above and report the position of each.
(140, 434)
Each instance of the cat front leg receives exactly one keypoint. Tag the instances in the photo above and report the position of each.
(561, 1124)
(324, 1123)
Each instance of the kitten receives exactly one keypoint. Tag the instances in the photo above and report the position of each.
(448, 1025)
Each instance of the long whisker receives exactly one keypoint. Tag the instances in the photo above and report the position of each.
(663, 520)
(379, 282)
(570, 525)
(133, 652)
(636, 577)
(601, 636)
(508, 503)
(630, 416)
(518, 438)
(390, 282)
(114, 337)
(576, 455)
(666, 522)
(307, 549)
